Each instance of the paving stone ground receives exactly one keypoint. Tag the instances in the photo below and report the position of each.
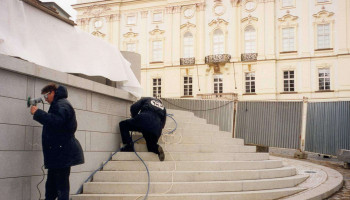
(344, 192)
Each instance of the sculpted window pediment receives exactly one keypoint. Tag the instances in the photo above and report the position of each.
(323, 15)
(249, 19)
(188, 25)
(130, 35)
(288, 18)
(98, 34)
(156, 31)
(218, 22)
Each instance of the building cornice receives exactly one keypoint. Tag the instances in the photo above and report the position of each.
(49, 11)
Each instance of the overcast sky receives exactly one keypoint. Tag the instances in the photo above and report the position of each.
(66, 5)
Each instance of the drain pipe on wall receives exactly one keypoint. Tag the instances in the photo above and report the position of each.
(303, 124)
(300, 153)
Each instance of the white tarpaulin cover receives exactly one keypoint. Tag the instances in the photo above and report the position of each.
(38, 37)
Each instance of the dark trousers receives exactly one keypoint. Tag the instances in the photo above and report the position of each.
(151, 135)
(57, 184)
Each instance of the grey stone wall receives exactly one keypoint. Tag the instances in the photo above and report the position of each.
(99, 108)
(136, 64)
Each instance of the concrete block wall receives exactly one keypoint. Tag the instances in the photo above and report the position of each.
(99, 108)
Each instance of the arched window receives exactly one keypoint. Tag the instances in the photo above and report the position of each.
(218, 42)
(188, 45)
(250, 40)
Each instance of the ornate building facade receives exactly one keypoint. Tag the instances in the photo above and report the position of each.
(250, 49)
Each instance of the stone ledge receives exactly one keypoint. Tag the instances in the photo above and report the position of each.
(322, 183)
(25, 67)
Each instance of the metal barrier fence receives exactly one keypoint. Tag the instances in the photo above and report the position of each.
(328, 127)
(276, 124)
(217, 112)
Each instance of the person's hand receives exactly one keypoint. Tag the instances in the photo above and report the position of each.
(33, 109)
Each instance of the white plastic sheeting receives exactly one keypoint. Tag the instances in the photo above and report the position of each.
(38, 37)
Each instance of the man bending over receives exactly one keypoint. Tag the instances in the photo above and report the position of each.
(148, 116)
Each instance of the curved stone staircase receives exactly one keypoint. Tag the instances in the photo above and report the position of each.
(201, 163)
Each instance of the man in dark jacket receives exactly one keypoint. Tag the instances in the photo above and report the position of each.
(148, 116)
(60, 147)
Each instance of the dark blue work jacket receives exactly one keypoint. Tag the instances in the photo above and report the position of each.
(60, 147)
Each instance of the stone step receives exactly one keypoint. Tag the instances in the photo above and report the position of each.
(181, 131)
(184, 139)
(192, 156)
(188, 119)
(201, 163)
(202, 148)
(209, 140)
(187, 176)
(246, 195)
(192, 165)
(192, 187)
(180, 113)
(189, 126)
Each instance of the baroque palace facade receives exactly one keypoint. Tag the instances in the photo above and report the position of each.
(247, 49)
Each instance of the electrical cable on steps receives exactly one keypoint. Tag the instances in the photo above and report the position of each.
(101, 167)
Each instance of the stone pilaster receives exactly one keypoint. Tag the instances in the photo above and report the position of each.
(260, 31)
(235, 22)
(114, 29)
(348, 25)
(340, 27)
(270, 30)
(168, 36)
(176, 44)
(85, 24)
(200, 49)
(143, 39)
(305, 27)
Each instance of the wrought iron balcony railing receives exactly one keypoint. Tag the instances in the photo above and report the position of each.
(218, 58)
(187, 61)
(249, 56)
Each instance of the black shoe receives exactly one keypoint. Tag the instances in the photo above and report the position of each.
(127, 148)
(161, 154)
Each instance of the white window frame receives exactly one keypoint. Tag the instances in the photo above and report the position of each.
(323, 36)
(188, 45)
(218, 84)
(131, 46)
(218, 42)
(188, 85)
(131, 20)
(289, 81)
(323, 1)
(157, 17)
(287, 3)
(324, 77)
(157, 87)
(157, 50)
(288, 39)
(250, 39)
(249, 79)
